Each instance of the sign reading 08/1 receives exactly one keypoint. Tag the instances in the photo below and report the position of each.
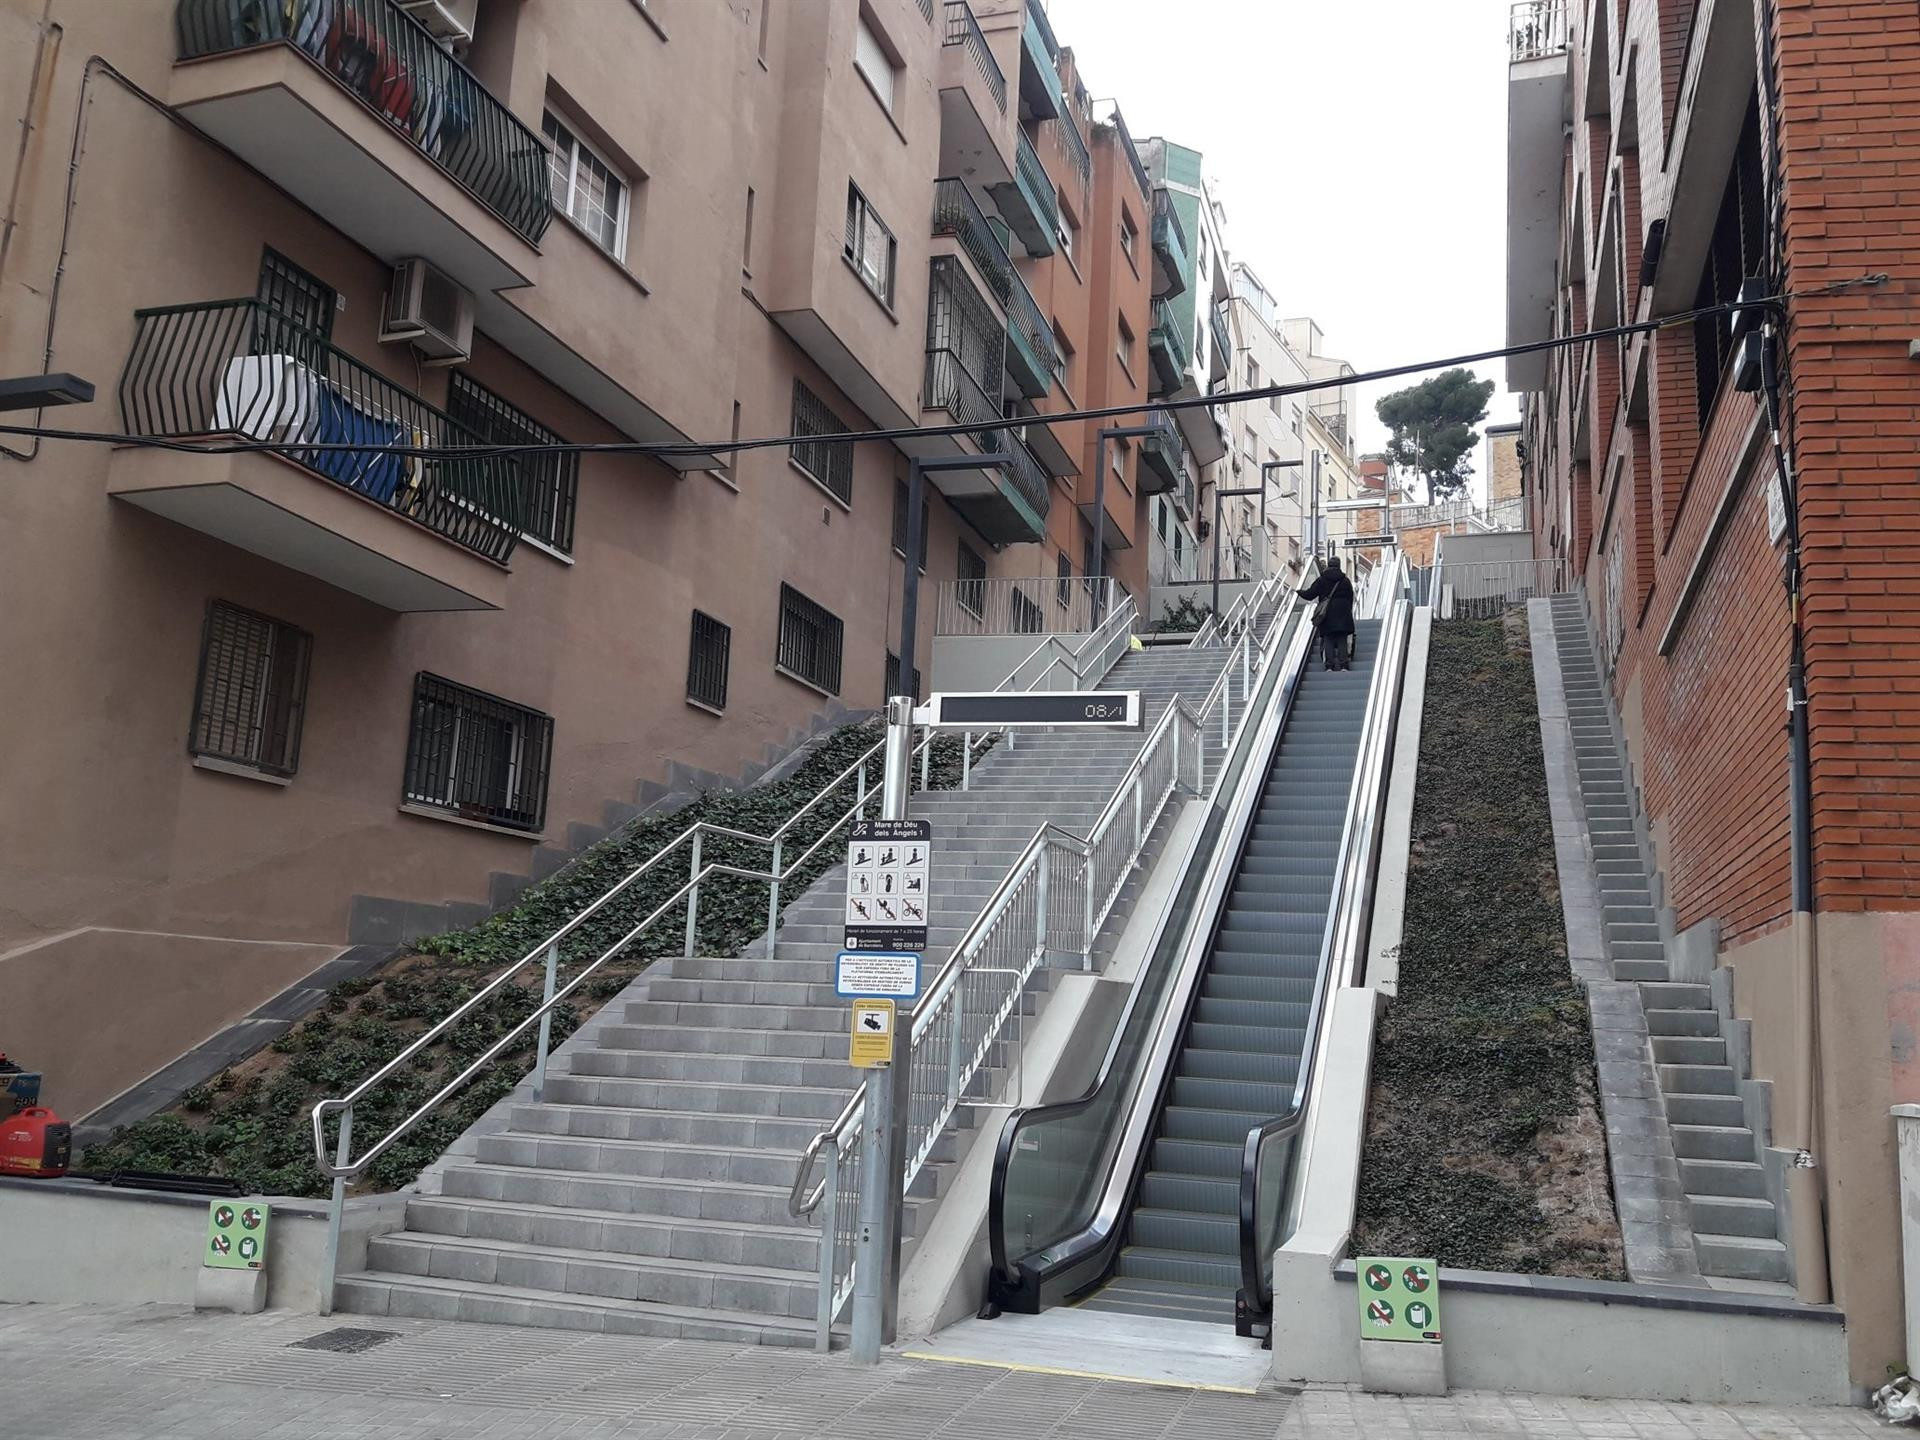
(1033, 710)
(889, 884)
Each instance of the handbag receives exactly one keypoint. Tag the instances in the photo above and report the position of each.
(1319, 609)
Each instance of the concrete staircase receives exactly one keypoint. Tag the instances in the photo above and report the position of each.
(1735, 1228)
(648, 1193)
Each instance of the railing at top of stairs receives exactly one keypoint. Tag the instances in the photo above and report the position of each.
(1054, 899)
(1084, 662)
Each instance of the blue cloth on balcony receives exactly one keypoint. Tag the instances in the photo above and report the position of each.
(372, 474)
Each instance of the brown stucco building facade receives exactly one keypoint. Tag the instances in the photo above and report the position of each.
(267, 703)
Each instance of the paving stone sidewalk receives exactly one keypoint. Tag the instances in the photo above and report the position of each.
(163, 1373)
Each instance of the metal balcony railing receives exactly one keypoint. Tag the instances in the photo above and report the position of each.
(1222, 338)
(952, 388)
(1074, 154)
(1537, 30)
(1169, 235)
(390, 63)
(1028, 326)
(236, 367)
(1034, 182)
(1007, 605)
(1160, 452)
(1168, 347)
(963, 29)
(1026, 476)
(957, 213)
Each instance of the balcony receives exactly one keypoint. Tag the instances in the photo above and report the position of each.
(1162, 464)
(1033, 355)
(410, 533)
(1039, 79)
(1185, 498)
(1171, 262)
(1076, 160)
(1011, 509)
(1537, 100)
(1221, 358)
(1029, 205)
(973, 103)
(966, 349)
(958, 216)
(353, 109)
(1167, 347)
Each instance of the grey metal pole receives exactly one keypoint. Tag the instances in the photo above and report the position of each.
(1216, 549)
(1099, 520)
(883, 1150)
(910, 589)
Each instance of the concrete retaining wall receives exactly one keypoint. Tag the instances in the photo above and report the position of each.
(72, 1242)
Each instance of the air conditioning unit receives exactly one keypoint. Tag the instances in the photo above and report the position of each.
(426, 307)
(449, 21)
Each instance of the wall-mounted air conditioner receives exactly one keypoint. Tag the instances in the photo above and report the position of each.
(426, 307)
(449, 21)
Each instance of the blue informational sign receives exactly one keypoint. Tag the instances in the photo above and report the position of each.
(878, 975)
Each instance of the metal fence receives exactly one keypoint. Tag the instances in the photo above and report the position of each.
(1477, 589)
(957, 213)
(1537, 30)
(239, 367)
(392, 64)
(963, 29)
(1047, 605)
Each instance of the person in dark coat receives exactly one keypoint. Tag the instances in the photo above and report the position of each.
(1336, 623)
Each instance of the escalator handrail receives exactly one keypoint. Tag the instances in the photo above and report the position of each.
(1343, 941)
(1251, 724)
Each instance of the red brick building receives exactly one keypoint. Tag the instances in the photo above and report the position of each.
(1662, 152)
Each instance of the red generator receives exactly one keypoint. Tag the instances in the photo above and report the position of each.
(35, 1142)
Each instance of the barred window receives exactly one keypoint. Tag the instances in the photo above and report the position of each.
(893, 678)
(870, 246)
(707, 655)
(810, 641)
(971, 591)
(830, 462)
(252, 690)
(296, 311)
(477, 756)
(1063, 586)
(550, 484)
(1028, 618)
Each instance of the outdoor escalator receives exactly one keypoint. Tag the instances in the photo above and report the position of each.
(1162, 1191)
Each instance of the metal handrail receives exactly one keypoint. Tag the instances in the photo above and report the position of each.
(1021, 605)
(957, 213)
(1342, 945)
(964, 29)
(1537, 30)
(1033, 180)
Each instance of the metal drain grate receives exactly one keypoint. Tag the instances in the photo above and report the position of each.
(345, 1341)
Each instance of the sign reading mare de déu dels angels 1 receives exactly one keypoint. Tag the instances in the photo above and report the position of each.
(889, 885)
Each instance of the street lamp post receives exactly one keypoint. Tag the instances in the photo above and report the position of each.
(1220, 495)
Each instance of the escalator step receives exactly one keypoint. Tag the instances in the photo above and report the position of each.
(1215, 1127)
(1153, 1301)
(1237, 1066)
(1242, 921)
(1266, 1041)
(1256, 1011)
(1273, 901)
(1293, 993)
(1299, 959)
(1206, 1093)
(1185, 1267)
(1162, 1191)
(1197, 1157)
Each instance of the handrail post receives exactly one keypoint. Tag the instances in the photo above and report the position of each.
(859, 793)
(693, 895)
(773, 900)
(966, 760)
(1176, 752)
(1139, 779)
(336, 1211)
(926, 761)
(1086, 923)
(829, 1232)
(546, 1025)
(1043, 901)
(957, 1042)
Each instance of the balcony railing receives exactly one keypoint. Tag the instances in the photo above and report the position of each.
(1222, 337)
(389, 62)
(1039, 77)
(957, 213)
(1537, 30)
(1026, 476)
(1168, 348)
(1160, 454)
(1169, 239)
(235, 367)
(926, 9)
(1006, 605)
(963, 29)
(1034, 181)
(1074, 155)
(1028, 328)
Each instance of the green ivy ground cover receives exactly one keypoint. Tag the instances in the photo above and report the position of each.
(251, 1122)
(1484, 1147)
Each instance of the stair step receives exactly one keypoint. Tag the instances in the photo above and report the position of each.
(1682, 1022)
(1677, 995)
(1712, 1142)
(780, 1247)
(1741, 1257)
(1720, 1110)
(1734, 1215)
(1697, 1079)
(1723, 1177)
(1689, 1050)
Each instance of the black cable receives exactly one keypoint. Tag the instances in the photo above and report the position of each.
(664, 449)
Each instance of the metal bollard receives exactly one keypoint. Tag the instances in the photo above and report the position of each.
(546, 1025)
(693, 895)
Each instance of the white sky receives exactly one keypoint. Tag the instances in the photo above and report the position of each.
(1359, 147)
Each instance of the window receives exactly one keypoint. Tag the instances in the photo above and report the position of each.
(1120, 457)
(1063, 227)
(1738, 250)
(290, 292)
(550, 484)
(971, 591)
(1063, 584)
(871, 57)
(707, 653)
(1063, 367)
(1249, 447)
(829, 462)
(586, 189)
(1129, 235)
(252, 690)
(1296, 420)
(1027, 617)
(1160, 517)
(746, 241)
(477, 756)
(900, 522)
(870, 246)
(809, 643)
(731, 469)
(1123, 345)
(893, 677)
(1253, 375)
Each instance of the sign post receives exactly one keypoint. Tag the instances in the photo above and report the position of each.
(1400, 1344)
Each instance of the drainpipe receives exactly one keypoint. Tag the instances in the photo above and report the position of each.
(1812, 1281)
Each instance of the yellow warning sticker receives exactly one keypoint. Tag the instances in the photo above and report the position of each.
(871, 1045)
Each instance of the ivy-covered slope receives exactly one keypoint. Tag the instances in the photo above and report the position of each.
(251, 1122)
(1484, 1145)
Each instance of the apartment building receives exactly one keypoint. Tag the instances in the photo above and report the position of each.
(287, 700)
(1662, 155)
